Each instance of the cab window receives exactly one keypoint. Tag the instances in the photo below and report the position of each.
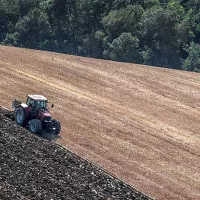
(41, 104)
(30, 102)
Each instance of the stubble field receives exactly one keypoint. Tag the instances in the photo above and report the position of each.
(140, 123)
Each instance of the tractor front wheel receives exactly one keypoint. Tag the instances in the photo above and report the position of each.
(57, 126)
(35, 126)
(20, 117)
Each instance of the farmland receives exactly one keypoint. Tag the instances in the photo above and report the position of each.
(32, 168)
(140, 123)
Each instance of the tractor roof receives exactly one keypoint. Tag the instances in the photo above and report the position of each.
(37, 97)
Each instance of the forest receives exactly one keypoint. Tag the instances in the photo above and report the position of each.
(162, 33)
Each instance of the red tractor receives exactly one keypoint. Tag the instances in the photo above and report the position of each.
(35, 115)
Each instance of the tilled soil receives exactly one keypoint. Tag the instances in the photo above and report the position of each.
(33, 168)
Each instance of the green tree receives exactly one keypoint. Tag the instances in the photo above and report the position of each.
(123, 20)
(63, 17)
(176, 7)
(192, 4)
(192, 63)
(124, 48)
(26, 6)
(33, 30)
(159, 38)
(117, 4)
(9, 13)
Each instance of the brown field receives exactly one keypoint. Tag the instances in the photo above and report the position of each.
(140, 123)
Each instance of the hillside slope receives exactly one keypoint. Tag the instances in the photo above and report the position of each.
(32, 168)
(140, 123)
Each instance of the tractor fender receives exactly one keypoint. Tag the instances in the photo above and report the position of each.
(25, 108)
(24, 105)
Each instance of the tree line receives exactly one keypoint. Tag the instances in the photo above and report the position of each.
(163, 33)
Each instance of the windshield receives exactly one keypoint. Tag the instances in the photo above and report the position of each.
(40, 104)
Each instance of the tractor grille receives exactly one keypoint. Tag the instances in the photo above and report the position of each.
(47, 118)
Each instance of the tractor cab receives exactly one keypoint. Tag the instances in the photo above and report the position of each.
(36, 102)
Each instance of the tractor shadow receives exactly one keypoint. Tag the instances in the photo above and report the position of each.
(48, 136)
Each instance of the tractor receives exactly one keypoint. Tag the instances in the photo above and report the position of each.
(35, 115)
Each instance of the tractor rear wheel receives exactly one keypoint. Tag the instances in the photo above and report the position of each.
(35, 126)
(57, 126)
(20, 117)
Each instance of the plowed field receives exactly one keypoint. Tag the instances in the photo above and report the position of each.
(140, 123)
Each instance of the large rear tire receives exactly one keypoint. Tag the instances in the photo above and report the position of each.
(20, 117)
(35, 126)
(57, 126)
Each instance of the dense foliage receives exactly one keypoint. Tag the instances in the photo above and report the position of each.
(163, 33)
